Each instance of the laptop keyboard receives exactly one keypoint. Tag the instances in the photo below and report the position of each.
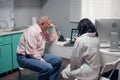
(114, 50)
(69, 44)
(105, 45)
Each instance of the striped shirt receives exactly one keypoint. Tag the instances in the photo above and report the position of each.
(33, 41)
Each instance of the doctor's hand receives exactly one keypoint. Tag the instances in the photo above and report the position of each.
(76, 37)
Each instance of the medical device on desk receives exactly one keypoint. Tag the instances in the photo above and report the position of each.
(109, 32)
(114, 42)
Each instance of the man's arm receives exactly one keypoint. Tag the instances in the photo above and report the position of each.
(53, 37)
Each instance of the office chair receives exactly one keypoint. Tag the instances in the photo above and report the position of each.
(107, 67)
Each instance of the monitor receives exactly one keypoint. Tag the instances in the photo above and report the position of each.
(74, 33)
(105, 27)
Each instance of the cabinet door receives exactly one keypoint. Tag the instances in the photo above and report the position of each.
(15, 41)
(5, 58)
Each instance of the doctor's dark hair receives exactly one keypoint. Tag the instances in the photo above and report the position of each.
(86, 26)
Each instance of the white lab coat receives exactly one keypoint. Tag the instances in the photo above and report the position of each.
(85, 62)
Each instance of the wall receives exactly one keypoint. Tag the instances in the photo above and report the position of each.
(59, 11)
(24, 10)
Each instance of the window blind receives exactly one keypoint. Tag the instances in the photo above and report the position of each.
(94, 9)
(6, 12)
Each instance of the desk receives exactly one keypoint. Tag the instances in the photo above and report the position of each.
(66, 52)
(60, 50)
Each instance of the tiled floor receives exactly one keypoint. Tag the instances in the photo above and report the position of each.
(30, 75)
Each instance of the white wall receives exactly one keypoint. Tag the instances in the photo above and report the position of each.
(24, 10)
(59, 11)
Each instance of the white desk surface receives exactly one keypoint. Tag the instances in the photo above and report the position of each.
(59, 50)
(104, 50)
(66, 51)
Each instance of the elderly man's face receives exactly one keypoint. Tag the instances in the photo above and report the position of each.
(46, 25)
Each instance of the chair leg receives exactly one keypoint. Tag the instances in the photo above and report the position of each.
(19, 75)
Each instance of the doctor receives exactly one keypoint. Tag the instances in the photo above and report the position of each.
(84, 63)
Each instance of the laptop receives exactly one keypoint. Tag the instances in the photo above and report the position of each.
(74, 32)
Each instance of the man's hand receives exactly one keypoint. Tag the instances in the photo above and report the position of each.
(42, 59)
(52, 26)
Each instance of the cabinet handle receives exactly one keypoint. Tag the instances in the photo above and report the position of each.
(0, 51)
(0, 40)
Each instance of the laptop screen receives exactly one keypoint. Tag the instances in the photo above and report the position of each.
(74, 33)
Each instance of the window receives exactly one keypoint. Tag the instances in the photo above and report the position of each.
(94, 9)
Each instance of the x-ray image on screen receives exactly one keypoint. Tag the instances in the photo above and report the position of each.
(74, 33)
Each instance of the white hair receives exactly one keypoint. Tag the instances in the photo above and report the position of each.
(43, 19)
